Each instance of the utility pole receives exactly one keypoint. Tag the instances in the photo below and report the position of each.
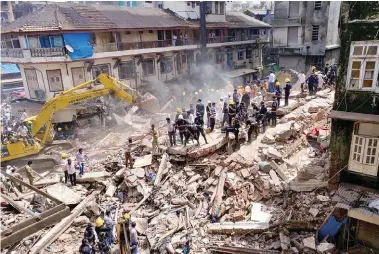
(203, 31)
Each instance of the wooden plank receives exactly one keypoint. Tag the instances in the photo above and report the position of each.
(57, 201)
(162, 167)
(19, 207)
(274, 177)
(62, 226)
(219, 191)
(33, 228)
(30, 221)
(139, 204)
(284, 240)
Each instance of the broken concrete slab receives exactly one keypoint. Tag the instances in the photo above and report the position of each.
(143, 161)
(53, 179)
(273, 153)
(138, 172)
(89, 177)
(310, 185)
(236, 228)
(278, 169)
(310, 243)
(245, 173)
(64, 193)
(274, 177)
(325, 247)
(313, 211)
(214, 144)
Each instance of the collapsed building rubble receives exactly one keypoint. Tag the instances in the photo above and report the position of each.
(267, 195)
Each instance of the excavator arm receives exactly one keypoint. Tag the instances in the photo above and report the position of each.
(85, 92)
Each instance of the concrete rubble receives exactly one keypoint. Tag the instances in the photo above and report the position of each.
(266, 195)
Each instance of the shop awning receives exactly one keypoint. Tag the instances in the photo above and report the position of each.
(352, 116)
(239, 72)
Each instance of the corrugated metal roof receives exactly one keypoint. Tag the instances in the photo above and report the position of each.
(78, 17)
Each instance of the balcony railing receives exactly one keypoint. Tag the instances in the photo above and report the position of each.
(16, 53)
(47, 52)
(224, 39)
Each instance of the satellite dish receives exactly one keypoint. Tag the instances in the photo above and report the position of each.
(69, 48)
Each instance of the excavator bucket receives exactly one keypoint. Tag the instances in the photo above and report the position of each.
(149, 103)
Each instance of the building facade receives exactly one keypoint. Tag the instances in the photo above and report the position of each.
(306, 33)
(7, 12)
(139, 46)
(354, 145)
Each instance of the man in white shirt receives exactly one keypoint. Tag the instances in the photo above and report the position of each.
(271, 81)
(64, 166)
(23, 116)
(71, 171)
(174, 38)
(80, 157)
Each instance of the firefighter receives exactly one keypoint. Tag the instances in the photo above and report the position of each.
(287, 91)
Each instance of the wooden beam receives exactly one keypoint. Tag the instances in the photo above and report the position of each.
(33, 228)
(19, 207)
(62, 226)
(57, 201)
(162, 167)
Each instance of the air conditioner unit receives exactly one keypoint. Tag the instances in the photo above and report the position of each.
(40, 94)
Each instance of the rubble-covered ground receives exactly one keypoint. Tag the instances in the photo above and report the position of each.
(267, 195)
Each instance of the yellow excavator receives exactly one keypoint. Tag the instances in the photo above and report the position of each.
(41, 125)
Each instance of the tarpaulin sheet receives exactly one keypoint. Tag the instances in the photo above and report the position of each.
(80, 42)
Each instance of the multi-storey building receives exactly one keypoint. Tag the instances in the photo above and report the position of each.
(306, 33)
(7, 12)
(60, 46)
(354, 143)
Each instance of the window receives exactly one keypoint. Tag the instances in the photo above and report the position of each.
(193, 4)
(315, 31)
(126, 70)
(256, 51)
(188, 3)
(317, 5)
(249, 53)
(10, 42)
(364, 150)
(54, 78)
(216, 7)
(222, 8)
(363, 68)
(241, 55)
(220, 56)
(151, 31)
(184, 58)
(98, 69)
(32, 82)
(197, 3)
(148, 67)
(78, 75)
(165, 65)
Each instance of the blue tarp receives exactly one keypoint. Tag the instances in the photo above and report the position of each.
(80, 42)
(9, 68)
(330, 227)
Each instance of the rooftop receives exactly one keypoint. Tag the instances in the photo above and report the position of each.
(79, 17)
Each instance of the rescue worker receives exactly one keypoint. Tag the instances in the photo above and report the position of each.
(128, 154)
(178, 112)
(274, 107)
(312, 82)
(235, 96)
(212, 117)
(225, 114)
(252, 126)
(181, 124)
(103, 235)
(89, 235)
(109, 224)
(199, 108)
(133, 238)
(234, 127)
(278, 92)
(246, 98)
(313, 69)
(232, 111)
(30, 173)
(208, 110)
(271, 82)
(86, 248)
(219, 109)
(199, 125)
(71, 172)
(191, 109)
(154, 134)
(171, 131)
(287, 91)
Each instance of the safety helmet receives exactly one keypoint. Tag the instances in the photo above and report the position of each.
(180, 117)
(313, 67)
(99, 222)
(184, 93)
(63, 156)
(179, 110)
(277, 83)
(126, 216)
(231, 102)
(287, 80)
(209, 102)
(196, 93)
(59, 129)
(316, 73)
(200, 90)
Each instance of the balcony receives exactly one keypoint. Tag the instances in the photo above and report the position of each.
(286, 51)
(298, 21)
(47, 52)
(13, 53)
(225, 39)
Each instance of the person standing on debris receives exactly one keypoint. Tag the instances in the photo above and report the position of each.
(287, 91)
(312, 82)
(71, 172)
(212, 117)
(234, 127)
(103, 235)
(274, 107)
(271, 82)
(191, 118)
(23, 116)
(181, 124)
(64, 166)
(178, 112)
(80, 157)
(109, 224)
(86, 248)
(133, 238)
(235, 96)
(200, 129)
(128, 154)
(192, 110)
(30, 173)
(246, 98)
(89, 235)
(219, 110)
(278, 92)
(208, 110)
(199, 108)
(231, 111)
(171, 131)
(154, 134)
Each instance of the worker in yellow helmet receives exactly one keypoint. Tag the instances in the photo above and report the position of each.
(232, 110)
(313, 68)
(102, 230)
(278, 92)
(200, 91)
(287, 91)
(196, 93)
(184, 93)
